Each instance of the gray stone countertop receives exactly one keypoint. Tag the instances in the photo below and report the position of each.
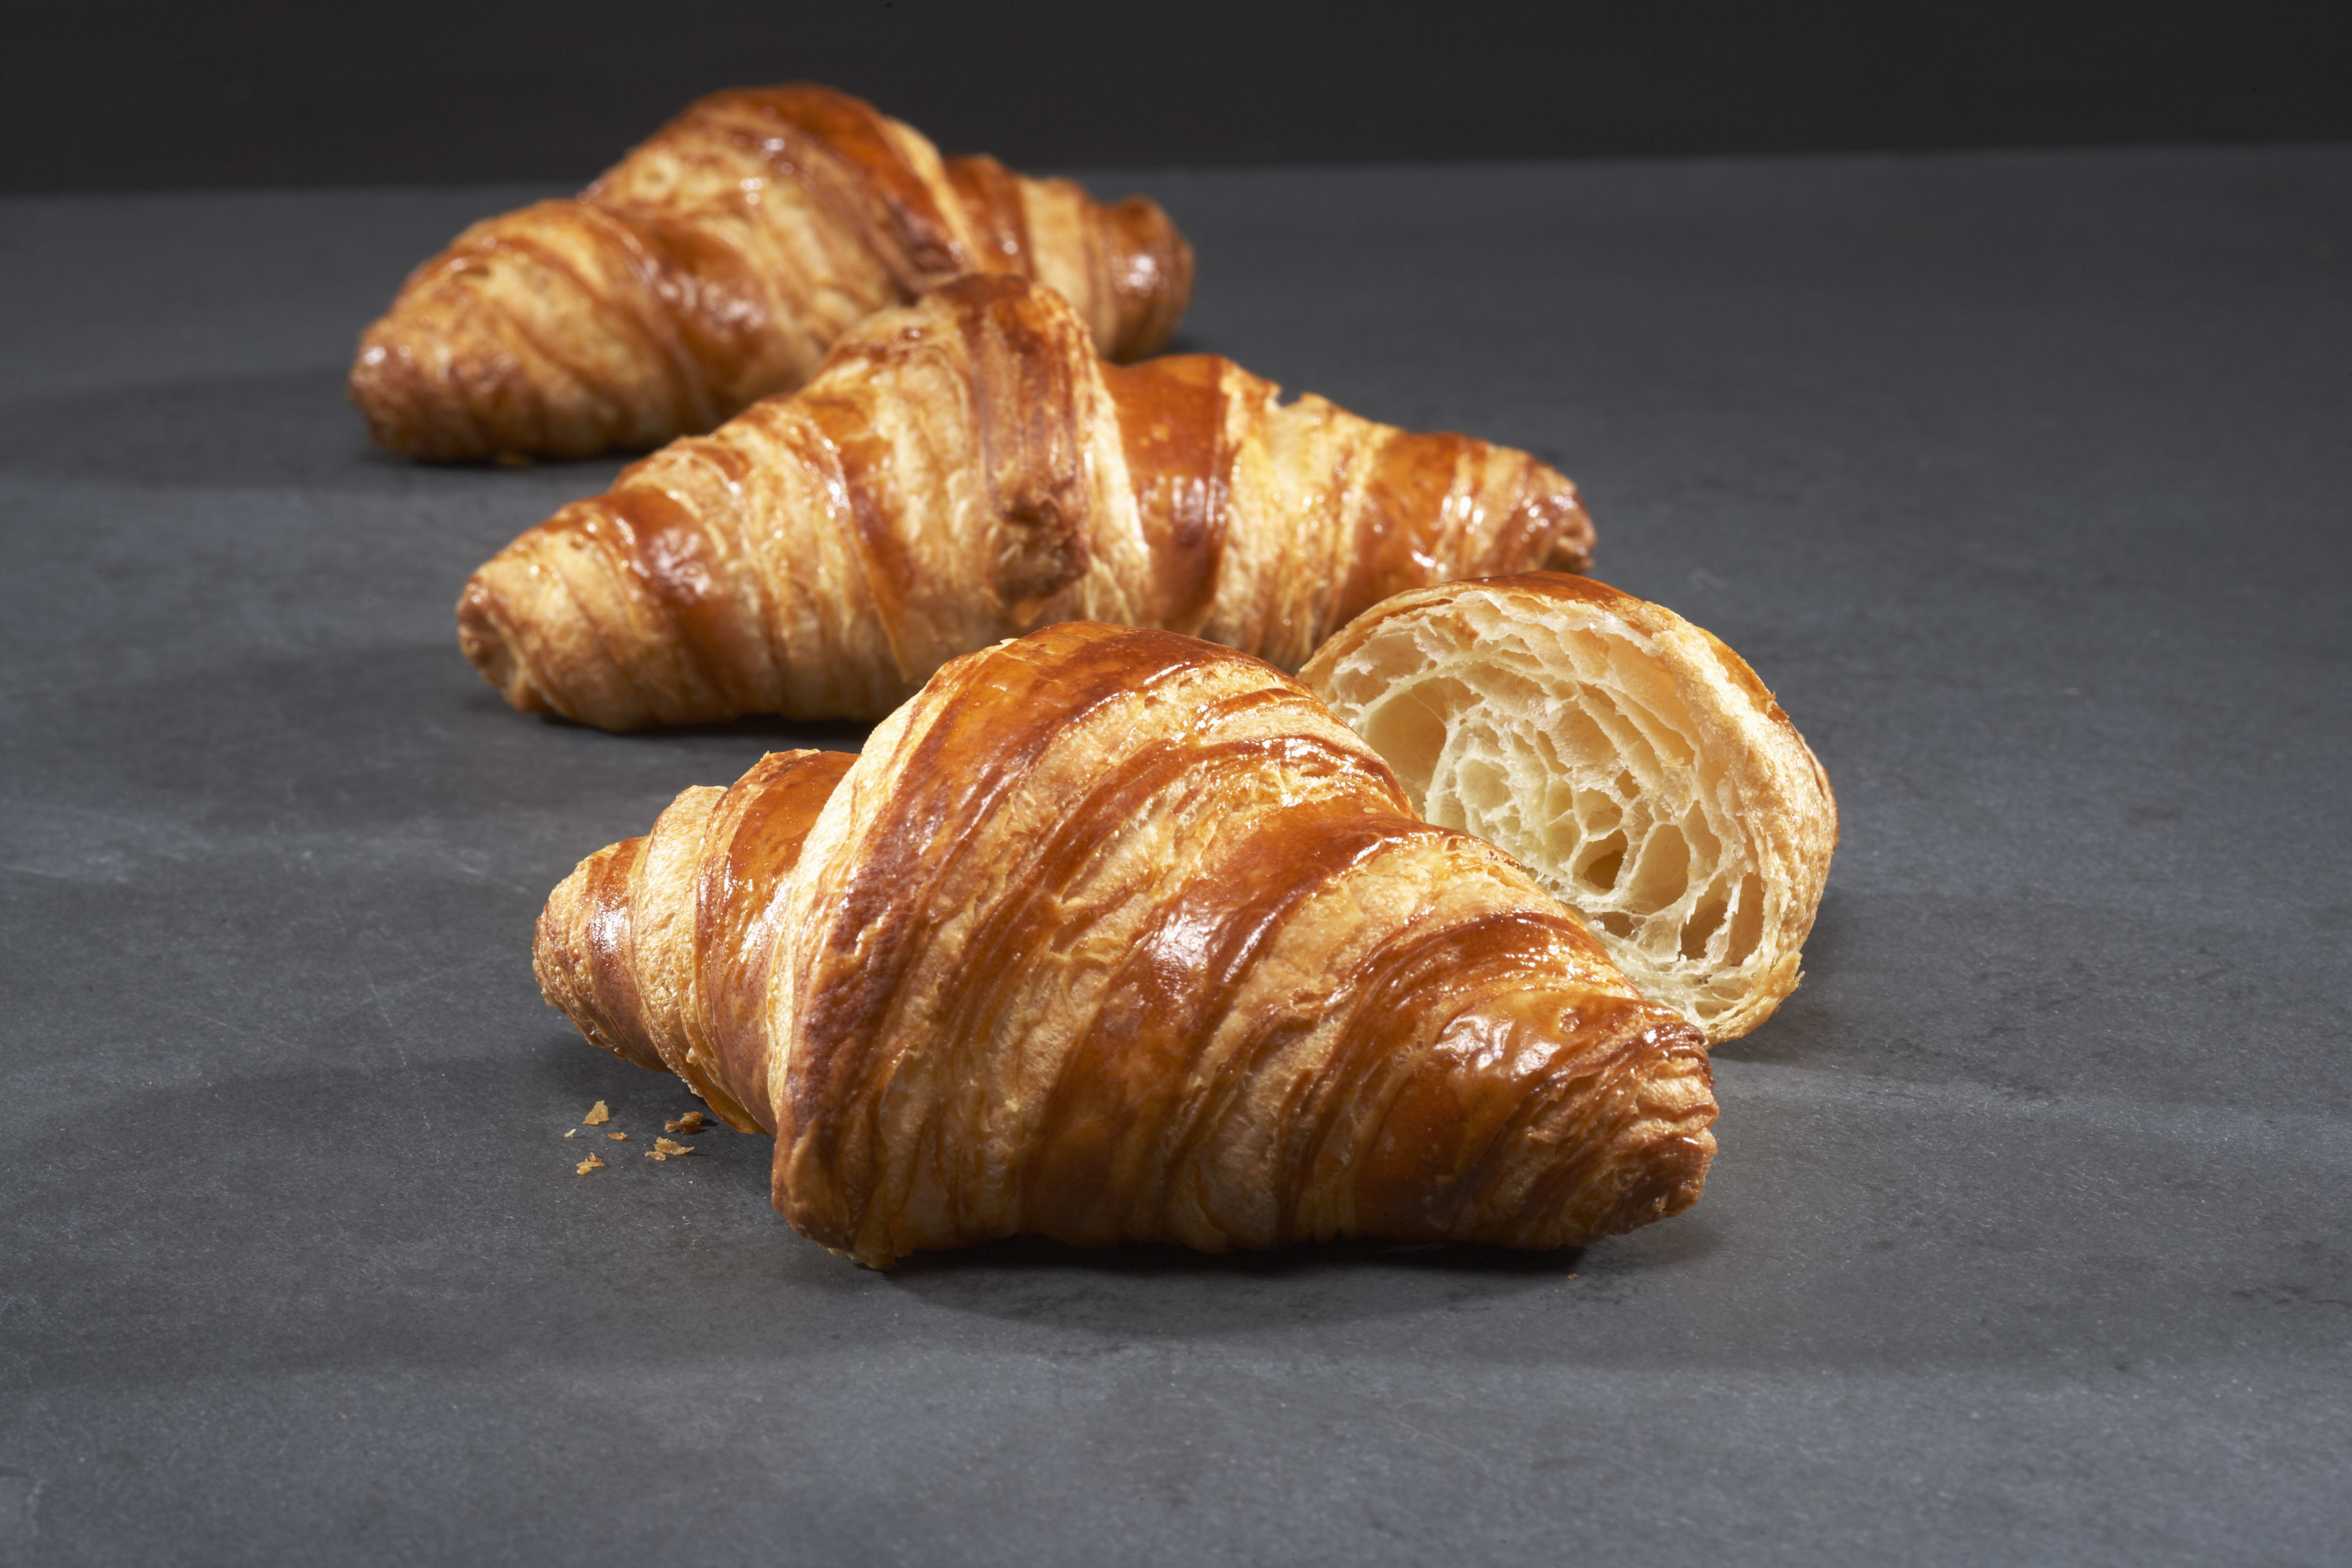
(2026, 481)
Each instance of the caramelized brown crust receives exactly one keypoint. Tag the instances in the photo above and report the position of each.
(967, 470)
(716, 263)
(1113, 934)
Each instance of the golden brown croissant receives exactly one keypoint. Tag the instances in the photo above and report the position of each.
(966, 470)
(1115, 935)
(1627, 757)
(716, 263)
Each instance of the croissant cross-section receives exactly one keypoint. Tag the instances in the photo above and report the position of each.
(1631, 760)
(1114, 934)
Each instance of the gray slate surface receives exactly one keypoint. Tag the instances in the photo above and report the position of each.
(2023, 479)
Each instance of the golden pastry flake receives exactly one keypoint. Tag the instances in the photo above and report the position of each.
(692, 1121)
(589, 1164)
(598, 1114)
(618, 1137)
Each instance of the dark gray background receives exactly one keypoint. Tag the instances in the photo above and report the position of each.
(162, 94)
(2024, 479)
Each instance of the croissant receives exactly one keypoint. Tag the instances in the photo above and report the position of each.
(966, 470)
(1631, 760)
(1110, 933)
(716, 263)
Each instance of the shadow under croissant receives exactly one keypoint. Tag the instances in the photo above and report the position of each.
(777, 734)
(1147, 1259)
(1132, 1290)
(1161, 1290)
(1034, 1277)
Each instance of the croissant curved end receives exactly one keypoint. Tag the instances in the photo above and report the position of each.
(574, 929)
(441, 401)
(391, 390)
(1572, 550)
(1151, 268)
(487, 648)
(1560, 507)
(1669, 1145)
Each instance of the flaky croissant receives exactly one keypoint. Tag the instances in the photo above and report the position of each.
(716, 263)
(1628, 758)
(1115, 935)
(966, 470)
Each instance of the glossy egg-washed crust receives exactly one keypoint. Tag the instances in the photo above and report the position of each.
(1114, 934)
(716, 263)
(966, 470)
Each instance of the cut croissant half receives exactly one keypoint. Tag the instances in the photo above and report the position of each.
(1627, 757)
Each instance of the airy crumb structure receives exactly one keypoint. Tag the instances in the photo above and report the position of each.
(598, 1114)
(1627, 757)
(589, 1164)
(692, 1121)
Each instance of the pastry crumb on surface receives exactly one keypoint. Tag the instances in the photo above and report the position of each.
(655, 1154)
(618, 1137)
(664, 1146)
(573, 1130)
(589, 1164)
(598, 1114)
(692, 1121)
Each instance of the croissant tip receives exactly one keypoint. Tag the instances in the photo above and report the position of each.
(1573, 556)
(408, 410)
(487, 648)
(371, 388)
(436, 396)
